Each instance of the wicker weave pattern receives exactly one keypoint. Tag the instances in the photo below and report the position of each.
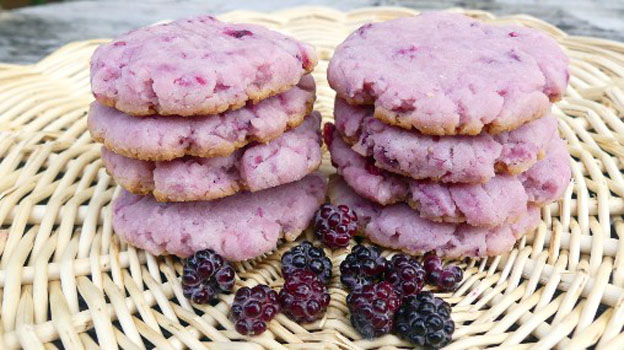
(67, 282)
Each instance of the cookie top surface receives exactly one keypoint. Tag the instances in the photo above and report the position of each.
(256, 167)
(160, 138)
(238, 227)
(446, 74)
(451, 159)
(196, 66)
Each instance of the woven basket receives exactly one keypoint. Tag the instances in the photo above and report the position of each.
(67, 282)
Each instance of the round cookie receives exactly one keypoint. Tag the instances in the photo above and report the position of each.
(502, 199)
(447, 74)
(400, 227)
(196, 66)
(158, 138)
(238, 227)
(256, 167)
(454, 159)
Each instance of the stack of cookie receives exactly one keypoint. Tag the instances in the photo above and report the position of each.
(208, 127)
(443, 134)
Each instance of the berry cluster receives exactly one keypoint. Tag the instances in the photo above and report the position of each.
(305, 256)
(406, 275)
(372, 308)
(377, 287)
(306, 271)
(205, 275)
(425, 320)
(334, 226)
(446, 278)
(363, 266)
(304, 297)
(386, 296)
(253, 308)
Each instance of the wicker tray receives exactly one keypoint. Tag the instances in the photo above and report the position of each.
(67, 282)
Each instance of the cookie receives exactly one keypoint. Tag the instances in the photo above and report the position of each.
(158, 138)
(502, 199)
(443, 73)
(453, 159)
(400, 227)
(196, 66)
(256, 167)
(239, 227)
(548, 179)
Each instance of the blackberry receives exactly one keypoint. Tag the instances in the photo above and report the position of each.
(304, 297)
(406, 275)
(425, 320)
(307, 257)
(372, 309)
(363, 266)
(446, 278)
(334, 226)
(253, 308)
(450, 278)
(457, 272)
(205, 275)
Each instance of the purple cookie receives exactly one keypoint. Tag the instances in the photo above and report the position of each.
(448, 74)
(196, 66)
(465, 159)
(256, 167)
(238, 227)
(502, 199)
(400, 227)
(218, 135)
(548, 179)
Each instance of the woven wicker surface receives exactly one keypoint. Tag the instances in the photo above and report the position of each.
(67, 282)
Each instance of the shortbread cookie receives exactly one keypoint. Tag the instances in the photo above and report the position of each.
(256, 167)
(502, 199)
(443, 73)
(463, 159)
(196, 66)
(400, 227)
(238, 227)
(159, 138)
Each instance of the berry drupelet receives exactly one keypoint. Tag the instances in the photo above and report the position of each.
(205, 275)
(253, 308)
(431, 262)
(304, 297)
(334, 226)
(372, 309)
(425, 320)
(372, 168)
(328, 133)
(406, 274)
(307, 257)
(363, 266)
